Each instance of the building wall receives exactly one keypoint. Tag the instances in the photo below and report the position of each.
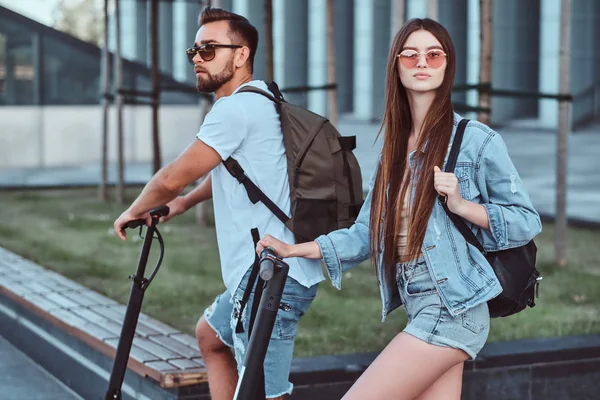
(453, 15)
(254, 10)
(290, 47)
(344, 54)
(45, 136)
(514, 59)
(585, 56)
(525, 55)
(371, 48)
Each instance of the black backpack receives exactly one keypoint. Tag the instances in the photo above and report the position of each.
(514, 268)
(324, 175)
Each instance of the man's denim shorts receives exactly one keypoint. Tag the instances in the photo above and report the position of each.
(222, 317)
(428, 318)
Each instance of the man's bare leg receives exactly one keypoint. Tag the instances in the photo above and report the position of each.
(219, 360)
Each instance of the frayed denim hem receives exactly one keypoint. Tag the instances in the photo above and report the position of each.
(218, 334)
(289, 391)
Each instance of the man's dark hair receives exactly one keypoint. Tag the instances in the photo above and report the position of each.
(241, 31)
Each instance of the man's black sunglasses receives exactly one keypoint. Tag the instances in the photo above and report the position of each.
(207, 51)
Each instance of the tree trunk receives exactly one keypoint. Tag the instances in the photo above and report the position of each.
(560, 230)
(269, 40)
(432, 9)
(119, 86)
(156, 159)
(331, 75)
(398, 17)
(485, 59)
(103, 194)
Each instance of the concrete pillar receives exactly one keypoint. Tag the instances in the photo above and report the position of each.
(185, 17)
(473, 53)
(596, 60)
(371, 48)
(165, 37)
(344, 54)
(142, 31)
(453, 16)
(416, 9)
(317, 56)
(432, 9)
(254, 11)
(549, 61)
(516, 28)
(398, 17)
(290, 47)
(129, 29)
(226, 5)
(583, 65)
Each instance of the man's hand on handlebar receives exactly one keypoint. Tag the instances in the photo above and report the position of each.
(176, 207)
(121, 223)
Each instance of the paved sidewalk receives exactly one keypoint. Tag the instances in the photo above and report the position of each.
(532, 150)
(22, 379)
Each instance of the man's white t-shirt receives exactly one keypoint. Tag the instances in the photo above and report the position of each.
(246, 127)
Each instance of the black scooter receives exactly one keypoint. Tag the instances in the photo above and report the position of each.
(251, 383)
(134, 305)
(273, 271)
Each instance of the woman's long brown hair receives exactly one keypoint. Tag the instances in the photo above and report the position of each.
(387, 203)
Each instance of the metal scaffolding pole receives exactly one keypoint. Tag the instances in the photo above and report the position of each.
(105, 104)
(156, 159)
(119, 84)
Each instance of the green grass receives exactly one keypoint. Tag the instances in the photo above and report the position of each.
(70, 232)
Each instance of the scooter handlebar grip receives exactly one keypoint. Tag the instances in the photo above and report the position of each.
(135, 223)
(267, 266)
(161, 211)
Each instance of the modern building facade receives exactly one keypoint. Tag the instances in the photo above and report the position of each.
(525, 50)
(525, 53)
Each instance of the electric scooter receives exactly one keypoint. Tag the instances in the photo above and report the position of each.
(136, 296)
(274, 272)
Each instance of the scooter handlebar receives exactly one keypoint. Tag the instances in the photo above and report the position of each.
(267, 263)
(161, 211)
(155, 214)
(135, 223)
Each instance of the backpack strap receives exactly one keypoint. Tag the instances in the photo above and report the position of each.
(450, 165)
(251, 280)
(347, 142)
(235, 169)
(253, 89)
(254, 193)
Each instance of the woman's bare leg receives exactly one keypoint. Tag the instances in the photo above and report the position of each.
(405, 369)
(447, 387)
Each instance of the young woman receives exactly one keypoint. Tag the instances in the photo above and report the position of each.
(422, 260)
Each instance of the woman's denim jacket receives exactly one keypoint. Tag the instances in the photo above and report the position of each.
(461, 274)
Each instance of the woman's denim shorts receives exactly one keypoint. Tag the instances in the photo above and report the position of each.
(428, 318)
(222, 316)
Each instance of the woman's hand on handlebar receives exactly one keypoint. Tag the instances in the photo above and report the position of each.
(286, 250)
(281, 249)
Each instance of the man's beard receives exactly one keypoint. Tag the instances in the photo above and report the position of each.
(211, 83)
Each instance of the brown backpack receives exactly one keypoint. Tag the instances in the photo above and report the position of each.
(324, 175)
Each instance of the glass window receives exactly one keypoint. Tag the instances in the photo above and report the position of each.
(16, 64)
(71, 75)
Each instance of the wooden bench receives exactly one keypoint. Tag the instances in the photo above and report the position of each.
(159, 351)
